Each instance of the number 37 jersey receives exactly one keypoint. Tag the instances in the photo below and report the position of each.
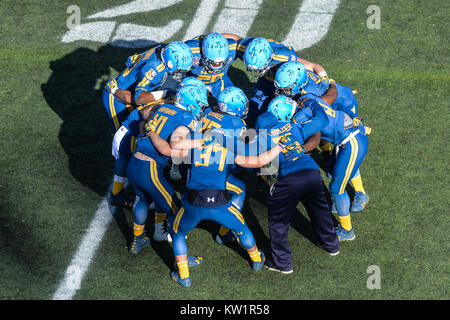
(212, 164)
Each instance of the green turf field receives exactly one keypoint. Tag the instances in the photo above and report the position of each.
(56, 163)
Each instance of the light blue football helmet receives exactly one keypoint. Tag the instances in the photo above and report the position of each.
(283, 108)
(290, 78)
(177, 57)
(215, 52)
(190, 98)
(258, 55)
(232, 100)
(198, 83)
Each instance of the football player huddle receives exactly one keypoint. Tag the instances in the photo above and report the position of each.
(175, 106)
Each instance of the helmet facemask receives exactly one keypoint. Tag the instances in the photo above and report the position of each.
(217, 65)
(260, 72)
(178, 75)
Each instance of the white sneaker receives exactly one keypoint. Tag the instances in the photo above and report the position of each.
(161, 233)
(175, 174)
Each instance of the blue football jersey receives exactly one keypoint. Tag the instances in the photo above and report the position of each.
(315, 85)
(211, 165)
(145, 72)
(167, 118)
(217, 119)
(199, 70)
(339, 126)
(270, 131)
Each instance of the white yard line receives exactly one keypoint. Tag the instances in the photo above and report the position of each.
(237, 16)
(201, 19)
(311, 24)
(80, 263)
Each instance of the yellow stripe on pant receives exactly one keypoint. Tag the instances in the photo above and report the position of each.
(354, 154)
(237, 214)
(232, 187)
(176, 222)
(160, 187)
(112, 109)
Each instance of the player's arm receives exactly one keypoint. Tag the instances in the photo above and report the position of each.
(123, 95)
(164, 148)
(232, 36)
(317, 122)
(144, 97)
(331, 94)
(314, 67)
(147, 113)
(180, 139)
(312, 142)
(260, 160)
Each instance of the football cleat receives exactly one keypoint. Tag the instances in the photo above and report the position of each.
(186, 282)
(161, 233)
(258, 265)
(194, 261)
(228, 238)
(345, 235)
(139, 243)
(272, 267)
(359, 202)
(121, 200)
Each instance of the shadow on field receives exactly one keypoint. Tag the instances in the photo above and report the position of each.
(74, 93)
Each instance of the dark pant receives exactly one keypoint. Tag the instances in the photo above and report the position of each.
(305, 186)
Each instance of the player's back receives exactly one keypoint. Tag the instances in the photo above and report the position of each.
(138, 66)
(216, 119)
(210, 167)
(167, 119)
(339, 123)
(315, 85)
(212, 164)
(270, 131)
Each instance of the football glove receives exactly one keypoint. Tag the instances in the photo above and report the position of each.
(295, 153)
(286, 141)
(358, 123)
(150, 127)
(326, 79)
